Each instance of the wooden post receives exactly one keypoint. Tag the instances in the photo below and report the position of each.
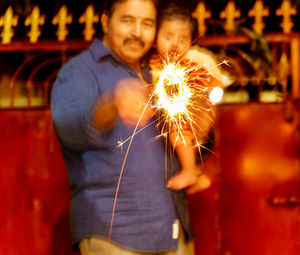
(35, 20)
(201, 14)
(62, 19)
(286, 11)
(89, 18)
(258, 12)
(7, 21)
(230, 13)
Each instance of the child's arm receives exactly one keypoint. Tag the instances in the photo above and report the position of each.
(191, 176)
(183, 145)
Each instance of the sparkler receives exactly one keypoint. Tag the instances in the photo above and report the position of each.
(181, 98)
(181, 95)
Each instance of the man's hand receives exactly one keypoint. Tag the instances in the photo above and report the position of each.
(131, 100)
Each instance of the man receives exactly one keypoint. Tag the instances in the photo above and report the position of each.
(97, 100)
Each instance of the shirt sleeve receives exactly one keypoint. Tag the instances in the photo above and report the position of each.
(74, 93)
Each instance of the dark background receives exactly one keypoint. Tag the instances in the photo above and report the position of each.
(23, 8)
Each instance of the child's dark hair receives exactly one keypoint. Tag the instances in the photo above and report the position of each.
(176, 12)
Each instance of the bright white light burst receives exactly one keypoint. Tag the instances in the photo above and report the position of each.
(215, 96)
(173, 94)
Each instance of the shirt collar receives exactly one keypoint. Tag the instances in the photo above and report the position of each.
(99, 50)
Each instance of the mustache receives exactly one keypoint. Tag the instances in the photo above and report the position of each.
(141, 42)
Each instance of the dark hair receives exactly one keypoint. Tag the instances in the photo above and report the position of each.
(109, 6)
(176, 12)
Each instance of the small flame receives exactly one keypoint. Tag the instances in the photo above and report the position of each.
(173, 94)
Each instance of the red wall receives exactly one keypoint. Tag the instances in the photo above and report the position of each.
(253, 206)
(33, 186)
(247, 210)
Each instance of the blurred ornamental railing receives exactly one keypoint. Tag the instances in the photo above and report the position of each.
(263, 66)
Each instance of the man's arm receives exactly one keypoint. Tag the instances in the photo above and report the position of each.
(105, 113)
(129, 101)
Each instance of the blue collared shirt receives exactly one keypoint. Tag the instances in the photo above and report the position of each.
(145, 208)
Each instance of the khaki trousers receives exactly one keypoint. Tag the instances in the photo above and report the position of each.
(98, 246)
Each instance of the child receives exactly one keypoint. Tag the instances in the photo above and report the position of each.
(174, 38)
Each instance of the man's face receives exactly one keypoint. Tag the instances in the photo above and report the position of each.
(174, 37)
(130, 31)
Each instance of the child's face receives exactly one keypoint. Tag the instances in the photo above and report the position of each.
(174, 37)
